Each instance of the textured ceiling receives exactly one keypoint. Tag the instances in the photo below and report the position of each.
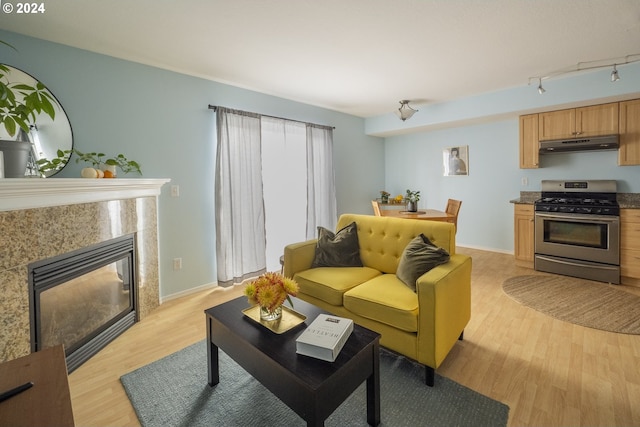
(355, 56)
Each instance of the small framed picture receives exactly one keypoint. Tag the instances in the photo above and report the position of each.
(456, 160)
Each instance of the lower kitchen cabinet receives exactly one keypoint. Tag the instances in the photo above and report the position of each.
(630, 243)
(523, 234)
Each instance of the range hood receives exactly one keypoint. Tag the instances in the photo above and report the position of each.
(607, 142)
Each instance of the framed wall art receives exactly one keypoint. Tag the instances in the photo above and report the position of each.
(455, 160)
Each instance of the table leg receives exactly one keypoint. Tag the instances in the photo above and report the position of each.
(373, 389)
(212, 359)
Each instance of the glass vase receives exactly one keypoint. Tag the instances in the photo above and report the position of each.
(270, 315)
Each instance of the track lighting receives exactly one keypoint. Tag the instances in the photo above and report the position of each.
(614, 74)
(590, 65)
(405, 111)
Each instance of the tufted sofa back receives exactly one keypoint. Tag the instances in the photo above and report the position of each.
(383, 239)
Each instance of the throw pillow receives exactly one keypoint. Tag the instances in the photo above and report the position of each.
(341, 249)
(418, 257)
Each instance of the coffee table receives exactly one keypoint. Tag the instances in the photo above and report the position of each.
(311, 387)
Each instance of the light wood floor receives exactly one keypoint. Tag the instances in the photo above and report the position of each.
(549, 372)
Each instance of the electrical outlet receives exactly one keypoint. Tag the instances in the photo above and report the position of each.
(524, 181)
(177, 263)
(175, 191)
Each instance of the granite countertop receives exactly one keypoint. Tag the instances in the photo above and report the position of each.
(625, 200)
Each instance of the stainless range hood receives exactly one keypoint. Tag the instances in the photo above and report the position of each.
(607, 142)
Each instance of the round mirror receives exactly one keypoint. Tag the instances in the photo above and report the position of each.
(46, 136)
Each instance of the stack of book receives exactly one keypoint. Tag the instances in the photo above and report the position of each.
(325, 337)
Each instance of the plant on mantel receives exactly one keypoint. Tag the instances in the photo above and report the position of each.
(96, 160)
(20, 103)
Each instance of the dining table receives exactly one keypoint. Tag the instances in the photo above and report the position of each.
(426, 214)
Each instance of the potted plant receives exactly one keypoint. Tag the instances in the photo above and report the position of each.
(100, 167)
(384, 196)
(20, 105)
(412, 198)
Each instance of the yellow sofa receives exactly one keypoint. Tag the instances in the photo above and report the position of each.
(422, 325)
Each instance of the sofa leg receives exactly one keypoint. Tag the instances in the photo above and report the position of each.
(461, 337)
(430, 375)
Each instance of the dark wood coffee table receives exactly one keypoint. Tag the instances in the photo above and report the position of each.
(311, 387)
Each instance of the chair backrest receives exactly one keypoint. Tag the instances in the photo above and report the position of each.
(453, 207)
(376, 208)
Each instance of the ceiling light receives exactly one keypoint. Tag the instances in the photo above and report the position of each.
(587, 66)
(405, 111)
(614, 74)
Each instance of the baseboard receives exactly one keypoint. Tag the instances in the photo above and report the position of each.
(482, 248)
(181, 294)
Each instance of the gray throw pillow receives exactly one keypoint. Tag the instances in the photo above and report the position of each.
(418, 257)
(341, 249)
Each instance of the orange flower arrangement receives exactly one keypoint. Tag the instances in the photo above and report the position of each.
(270, 291)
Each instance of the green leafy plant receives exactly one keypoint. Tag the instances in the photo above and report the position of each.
(94, 158)
(55, 164)
(20, 103)
(412, 196)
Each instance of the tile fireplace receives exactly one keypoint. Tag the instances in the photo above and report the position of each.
(43, 219)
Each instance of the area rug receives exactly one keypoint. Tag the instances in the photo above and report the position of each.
(583, 302)
(173, 391)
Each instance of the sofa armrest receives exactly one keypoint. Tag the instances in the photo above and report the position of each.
(299, 257)
(444, 298)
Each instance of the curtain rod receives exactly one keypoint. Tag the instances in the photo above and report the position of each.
(215, 107)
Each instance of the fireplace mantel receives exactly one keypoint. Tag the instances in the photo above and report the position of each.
(30, 193)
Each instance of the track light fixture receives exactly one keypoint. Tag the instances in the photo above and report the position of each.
(590, 65)
(614, 74)
(405, 111)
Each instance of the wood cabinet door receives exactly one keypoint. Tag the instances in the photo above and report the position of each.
(597, 120)
(629, 151)
(524, 235)
(630, 243)
(529, 142)
(557, 124)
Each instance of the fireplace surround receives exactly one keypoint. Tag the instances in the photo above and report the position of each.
(45, 218)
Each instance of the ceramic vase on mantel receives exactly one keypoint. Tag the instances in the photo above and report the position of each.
(269, 316)
(16, 157)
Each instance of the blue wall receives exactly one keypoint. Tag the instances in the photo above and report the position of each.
(160, 118)
(488, 124)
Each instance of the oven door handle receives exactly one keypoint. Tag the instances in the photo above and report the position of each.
(576, 264)
(609, 219)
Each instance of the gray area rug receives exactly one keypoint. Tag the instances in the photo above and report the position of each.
(583, 302)
(173, 391)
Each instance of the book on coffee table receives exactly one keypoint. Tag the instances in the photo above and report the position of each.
(324, 337)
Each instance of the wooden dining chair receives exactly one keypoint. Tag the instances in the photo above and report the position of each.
(453, 207)
(376, 208)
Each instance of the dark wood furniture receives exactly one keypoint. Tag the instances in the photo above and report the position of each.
(48, 401)
(311, 387)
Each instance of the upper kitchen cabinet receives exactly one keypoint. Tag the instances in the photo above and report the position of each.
(629, 151)
(529, 141)
(594, 120)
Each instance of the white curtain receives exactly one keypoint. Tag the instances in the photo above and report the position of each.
(321, 190)
(274, 186)
(240, 218)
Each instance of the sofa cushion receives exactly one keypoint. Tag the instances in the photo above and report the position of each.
(330, 283)
(418, 257)
(385, 299)
(338, 250)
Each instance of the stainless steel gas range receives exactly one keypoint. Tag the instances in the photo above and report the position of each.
(577, 229)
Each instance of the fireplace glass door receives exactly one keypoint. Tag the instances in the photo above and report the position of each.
(83, 299)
